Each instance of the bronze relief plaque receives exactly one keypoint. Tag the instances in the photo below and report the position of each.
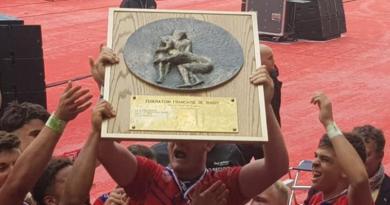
(183, 54)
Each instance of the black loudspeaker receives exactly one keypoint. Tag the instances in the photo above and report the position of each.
(320, 19)
(270, 15)
(22, 76)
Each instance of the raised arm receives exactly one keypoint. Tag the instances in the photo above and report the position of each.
(106, 58)
(256, 176)
(110, 153)
(79, 181)
(118, 161)
(347, 157)
(32, 162)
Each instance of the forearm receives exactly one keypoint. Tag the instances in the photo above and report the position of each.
(29, 167)
(80, 179)
(349, 161)
(353, 167)
(272, 167)
(116, 158)
(346, 156)
(275, 152)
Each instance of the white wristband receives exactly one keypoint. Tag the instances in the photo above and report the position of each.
(333, 131)
(56, 124)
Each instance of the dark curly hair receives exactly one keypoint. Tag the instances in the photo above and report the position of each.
(8, 141)
(369, 132)
(16, 114)
(352, 138)
(45, 183)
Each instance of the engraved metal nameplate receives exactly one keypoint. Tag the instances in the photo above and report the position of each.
(183, 114)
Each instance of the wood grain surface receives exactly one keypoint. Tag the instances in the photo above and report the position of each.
(120, 83)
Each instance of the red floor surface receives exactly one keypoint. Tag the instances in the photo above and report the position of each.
(353, 70)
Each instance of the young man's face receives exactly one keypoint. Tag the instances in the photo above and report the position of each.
(7, 161)
(188, 159)
(28, 132)
(54, 197)
(374, 159)
(326, 170)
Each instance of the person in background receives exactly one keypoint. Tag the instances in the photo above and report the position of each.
(25, 119)
(338, 171)
(33, 160)
(147, 182)
(9, 153)
(208, 194)
(254, 150)
(50, 186)
(277, 194)
(374, 142)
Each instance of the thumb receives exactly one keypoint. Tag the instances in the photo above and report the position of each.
(91, 62)
(68, 86)
(102, 45)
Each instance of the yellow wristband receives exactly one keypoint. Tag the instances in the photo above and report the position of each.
(333, 131)
(57, 125)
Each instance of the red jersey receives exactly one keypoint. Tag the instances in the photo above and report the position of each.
(340, 199)
(318, 199)
(158, 185)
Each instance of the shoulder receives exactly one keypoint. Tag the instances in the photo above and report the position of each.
(228, 171)
(230, 177)
(149, 174)
(145, 163)
(343, 200)
(384, 191)
(227, 175)
(316, 198)
(386, 184)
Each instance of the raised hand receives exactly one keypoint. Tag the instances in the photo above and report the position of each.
(325, 106)
(103, 110)
(216, 194)
(261, 77)
(73, 101)
(106, 57)
(117, 197)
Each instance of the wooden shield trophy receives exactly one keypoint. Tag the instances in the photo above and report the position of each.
(184, 75)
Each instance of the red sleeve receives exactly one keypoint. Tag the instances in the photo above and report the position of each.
(147, 171)
(101, 199)
(98, 202)
(316, 199)
(229, 176)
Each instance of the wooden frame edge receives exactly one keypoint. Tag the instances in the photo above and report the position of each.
(183, 11)
(151, 137)
(260, 89)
